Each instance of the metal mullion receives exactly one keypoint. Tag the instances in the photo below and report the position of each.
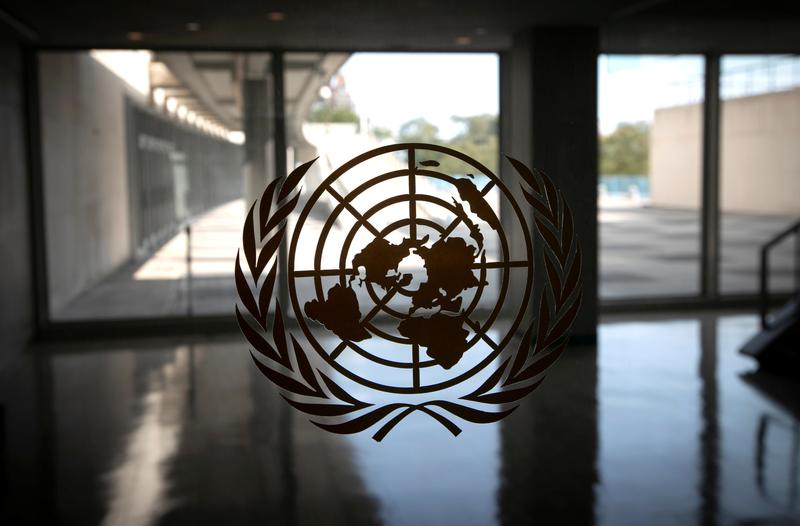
(710, 216)
(36, 198)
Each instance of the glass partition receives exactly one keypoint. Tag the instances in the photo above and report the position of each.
(341, 105)
(759, 167)
(146, 168)
(650, 137)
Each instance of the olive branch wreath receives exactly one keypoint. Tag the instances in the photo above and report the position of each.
(328, 404)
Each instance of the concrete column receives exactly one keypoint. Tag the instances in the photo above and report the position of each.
(564, 133)
(550, 123)
(16, 280)
(258, 145)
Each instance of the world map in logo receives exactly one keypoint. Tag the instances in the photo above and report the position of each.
(400, 269)
(449, 265)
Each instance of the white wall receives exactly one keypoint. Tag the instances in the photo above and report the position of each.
(676, 157)
(85, 172)
(759, 155)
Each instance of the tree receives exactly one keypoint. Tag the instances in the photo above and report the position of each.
(477, 139)
(625, 151)
(418, 130)
(326, 113)
(381, 133)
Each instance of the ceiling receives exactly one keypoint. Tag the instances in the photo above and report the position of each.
(384, 24)
(210, 83)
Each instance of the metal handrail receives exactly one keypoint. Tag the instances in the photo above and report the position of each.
(764, 295)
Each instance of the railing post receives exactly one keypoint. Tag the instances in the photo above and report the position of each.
(797, 262)
(188, 269)
(764, 286)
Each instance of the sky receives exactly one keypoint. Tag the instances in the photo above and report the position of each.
(393, 88)
(631, 87)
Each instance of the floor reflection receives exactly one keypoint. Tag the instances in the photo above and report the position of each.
(664, 424)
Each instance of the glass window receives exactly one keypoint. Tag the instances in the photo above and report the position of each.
(759, 167)
(146, 167)
(650, 134)
(339, 106)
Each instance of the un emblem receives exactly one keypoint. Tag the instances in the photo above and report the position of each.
(404, 288)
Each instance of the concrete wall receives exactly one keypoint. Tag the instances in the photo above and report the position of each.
(16, 279)
(759, 157)
(676, 151)
(85, 172)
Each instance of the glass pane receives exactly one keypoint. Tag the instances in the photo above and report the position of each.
(145, 168)
(759, 167)
(650, 120)
(339, 106)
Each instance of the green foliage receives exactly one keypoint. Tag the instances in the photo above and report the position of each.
(330, 114)
(478, 139)
(625, 151)
(381, 133)
(418, 130)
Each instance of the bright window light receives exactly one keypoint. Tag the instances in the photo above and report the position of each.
(133, 67)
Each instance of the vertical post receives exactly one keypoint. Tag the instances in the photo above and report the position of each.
(280, 164)
(710, 224)
(192, 391)
(515, 130)
(797, 260)
(38, 247)
(412, 192)
(563, 113)
(255, 93)
(763, 287)
(189, 269)
(551, 94)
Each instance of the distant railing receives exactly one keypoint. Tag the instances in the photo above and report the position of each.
(765, 74)
(765, 296)
(768, 74)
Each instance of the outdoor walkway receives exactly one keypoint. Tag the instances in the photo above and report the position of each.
(644, 252)
(656, 252)
(159, 286)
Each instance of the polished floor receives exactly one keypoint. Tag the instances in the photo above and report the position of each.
(663, 423)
